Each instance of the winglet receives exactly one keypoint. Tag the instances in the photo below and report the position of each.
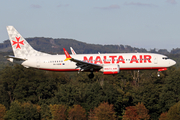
(73, 52)
(68, 57)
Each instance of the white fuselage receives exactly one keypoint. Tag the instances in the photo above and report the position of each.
(126, 61)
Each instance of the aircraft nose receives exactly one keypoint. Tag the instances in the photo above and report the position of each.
(173, 62)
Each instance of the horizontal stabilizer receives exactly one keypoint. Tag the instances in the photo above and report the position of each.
(17, 58)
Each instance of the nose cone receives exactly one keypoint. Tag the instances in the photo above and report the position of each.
(172, 62)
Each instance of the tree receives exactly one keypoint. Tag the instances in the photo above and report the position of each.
(170, 91)
(9, 77)
(30, 111)
(142, 111)
(45, 112)
(77, 113)
(22, 111)
(149, 92)
(14, 112)
(2, 111)
(103, 112)
(22, 84)
(138, 112)
(163, 116)
(58, 112)
(174, 112)
(131, 113)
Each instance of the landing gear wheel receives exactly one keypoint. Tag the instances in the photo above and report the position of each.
(158, 74)
(91, 76)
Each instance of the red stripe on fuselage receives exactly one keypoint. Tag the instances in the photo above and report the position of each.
(73, 70)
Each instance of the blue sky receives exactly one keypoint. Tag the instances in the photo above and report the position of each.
(139, 23)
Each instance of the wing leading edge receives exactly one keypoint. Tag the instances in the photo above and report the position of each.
(84, 66)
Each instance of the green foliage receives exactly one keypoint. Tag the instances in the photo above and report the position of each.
(24, 84)
(45, 112)
(86, 94)
(33, 86)
(170, 91)
(25, 111)
(174, 111)
(148, 92)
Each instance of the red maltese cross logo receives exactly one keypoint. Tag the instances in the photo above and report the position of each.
(17, 42)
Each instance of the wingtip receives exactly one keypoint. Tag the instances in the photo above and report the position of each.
(9, 26)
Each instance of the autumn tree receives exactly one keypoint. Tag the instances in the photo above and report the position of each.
(131, 113)
(163, 116)
(103, 112)
(138, 112)
(58, 112)
(2, 111)
(142, 111)
(77, 113)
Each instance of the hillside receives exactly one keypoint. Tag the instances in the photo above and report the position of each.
(55, 46)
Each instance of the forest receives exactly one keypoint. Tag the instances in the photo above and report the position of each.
(32, 94)
(130, 95)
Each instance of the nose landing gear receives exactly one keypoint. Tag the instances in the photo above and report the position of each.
(158, 73)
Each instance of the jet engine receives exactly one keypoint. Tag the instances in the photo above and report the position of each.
(110, 69)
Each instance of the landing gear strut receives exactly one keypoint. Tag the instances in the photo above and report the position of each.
(158, 73)
(91, 75)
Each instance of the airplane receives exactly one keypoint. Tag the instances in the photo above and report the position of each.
(110, 63)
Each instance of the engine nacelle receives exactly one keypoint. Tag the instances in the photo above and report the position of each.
(111, 69)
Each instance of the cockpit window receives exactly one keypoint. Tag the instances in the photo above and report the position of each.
(165, 58)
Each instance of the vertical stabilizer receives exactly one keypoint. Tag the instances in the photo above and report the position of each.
(20, 46)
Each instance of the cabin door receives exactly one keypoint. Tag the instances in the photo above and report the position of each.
(38, 63)
(155, 60)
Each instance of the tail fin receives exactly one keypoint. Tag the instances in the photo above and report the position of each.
(20, 46)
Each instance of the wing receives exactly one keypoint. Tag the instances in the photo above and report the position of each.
(85, 66)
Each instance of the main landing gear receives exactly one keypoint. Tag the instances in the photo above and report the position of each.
(91, 75)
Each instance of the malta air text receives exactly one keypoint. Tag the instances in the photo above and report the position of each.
(114, 59)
